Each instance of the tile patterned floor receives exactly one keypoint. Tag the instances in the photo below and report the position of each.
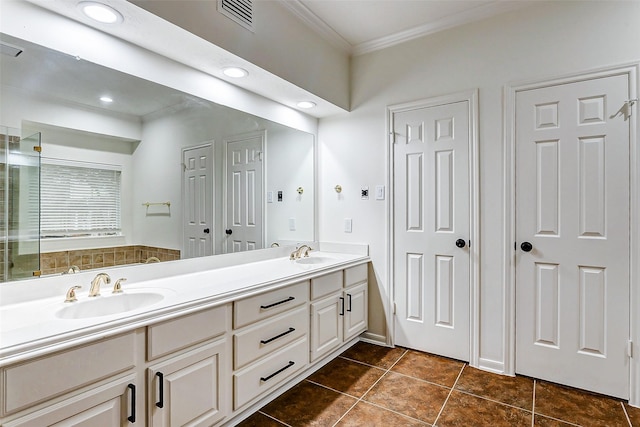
(369, 385)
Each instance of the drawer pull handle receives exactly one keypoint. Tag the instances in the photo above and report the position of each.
(342, 306)
(290, 364)
(132, 417)
(160, 402)
(264, 307)
(277, 336)
(349, 302)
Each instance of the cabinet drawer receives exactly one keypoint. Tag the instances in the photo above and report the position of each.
(261, 339)
(167, 337)
(325, 285)
(355, 275)
(28, 383)
(252, 309)
(264, 375)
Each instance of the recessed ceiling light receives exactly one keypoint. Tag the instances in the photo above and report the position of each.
(106, 99)
(235, 72)
(100, 12)
(306, 104)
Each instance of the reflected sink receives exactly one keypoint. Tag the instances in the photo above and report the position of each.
(110, 304)
(314, 260)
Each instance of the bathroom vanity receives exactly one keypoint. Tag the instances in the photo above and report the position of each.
(196, 348)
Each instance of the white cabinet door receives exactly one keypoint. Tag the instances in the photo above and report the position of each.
(190, 389)
(326, 325)
(111, 404)
(355, 313)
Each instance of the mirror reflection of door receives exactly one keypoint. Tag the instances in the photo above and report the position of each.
(197, 164)
(244, 189)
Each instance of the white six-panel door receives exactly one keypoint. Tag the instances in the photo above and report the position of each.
(431, 213)
(572, 232)
(244, 201)
(198, 201)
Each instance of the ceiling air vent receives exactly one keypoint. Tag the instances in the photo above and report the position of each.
(240, 11)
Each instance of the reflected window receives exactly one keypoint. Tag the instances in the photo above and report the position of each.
(79, 199)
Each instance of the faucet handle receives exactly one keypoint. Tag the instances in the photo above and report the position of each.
(71, 294)
(117, 288)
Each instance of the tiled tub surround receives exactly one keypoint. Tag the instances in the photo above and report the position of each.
(87, 259)
(369, 385)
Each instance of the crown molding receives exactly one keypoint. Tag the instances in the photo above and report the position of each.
(318, 25)
(470, 15)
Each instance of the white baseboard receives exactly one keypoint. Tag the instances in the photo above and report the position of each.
(491, 365)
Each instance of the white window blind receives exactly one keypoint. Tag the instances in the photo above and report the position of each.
(79, 200)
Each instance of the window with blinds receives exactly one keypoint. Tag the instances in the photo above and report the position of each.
(79, 200)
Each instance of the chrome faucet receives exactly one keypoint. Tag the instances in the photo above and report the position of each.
(100, 278)
(302, 251)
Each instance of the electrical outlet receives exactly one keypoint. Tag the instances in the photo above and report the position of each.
(364, 193)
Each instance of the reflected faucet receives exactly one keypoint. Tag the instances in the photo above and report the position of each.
(100, 278)
(72, 270)
(302, 251)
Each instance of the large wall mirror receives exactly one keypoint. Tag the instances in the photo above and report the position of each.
(153, 175)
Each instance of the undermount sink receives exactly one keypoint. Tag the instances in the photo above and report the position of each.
(110, 304)
(314, 260)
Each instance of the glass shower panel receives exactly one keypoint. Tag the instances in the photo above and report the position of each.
(22, 207)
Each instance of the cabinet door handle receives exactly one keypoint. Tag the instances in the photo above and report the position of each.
(290, 364)
(160, 402)
(264, 307)
(132, 417)
(342, 306)
(277, 336)
(349, 302)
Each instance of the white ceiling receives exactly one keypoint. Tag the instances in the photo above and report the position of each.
(360, 26)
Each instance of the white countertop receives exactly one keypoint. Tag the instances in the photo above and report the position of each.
(31, 328)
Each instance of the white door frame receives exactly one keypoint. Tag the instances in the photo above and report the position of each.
(510, 91)
(471, 97)
(206, 144)
(262, 134)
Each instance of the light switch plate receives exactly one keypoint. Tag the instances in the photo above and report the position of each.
(348, 225)
(292, 224)
(379, 192)
(269, 196)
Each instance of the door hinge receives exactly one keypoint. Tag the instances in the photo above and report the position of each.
(37, 273)
(37, 148)
(630, 349)
(392, 137)
(394, 307)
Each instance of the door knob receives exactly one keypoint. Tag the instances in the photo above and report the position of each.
(206, 231)
(526, 246)
(461, 243)
(229, 231)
